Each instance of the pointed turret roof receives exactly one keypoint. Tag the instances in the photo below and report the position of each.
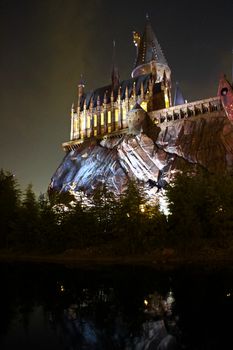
(178, 98)
(136, 107)
(225, 92)
(149, 48)
(126, 87)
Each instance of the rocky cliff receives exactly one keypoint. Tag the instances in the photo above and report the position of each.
(152, 156)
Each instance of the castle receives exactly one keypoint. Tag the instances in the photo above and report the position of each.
(105, 111)
(105, 121)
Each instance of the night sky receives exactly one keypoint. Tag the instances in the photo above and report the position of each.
(46, 45)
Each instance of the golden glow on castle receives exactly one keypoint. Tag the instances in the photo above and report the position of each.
(104, 111)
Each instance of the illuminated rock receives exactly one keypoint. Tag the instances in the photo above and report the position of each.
(205, 140)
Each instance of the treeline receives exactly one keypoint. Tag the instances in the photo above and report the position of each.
(200, 213)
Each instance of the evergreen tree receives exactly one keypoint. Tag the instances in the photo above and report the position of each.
(130, 220)
(76, 226)
(103, 208)
(50, 238)
(200, 208)
(29, 235)
(10, 197)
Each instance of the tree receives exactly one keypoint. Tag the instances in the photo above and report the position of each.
(77, 226)
(29, 235)
(103, 206)
(50, 237)
(201, 207)
(130, 221)
(10, 197)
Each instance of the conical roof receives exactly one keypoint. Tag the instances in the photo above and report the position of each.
(136, 107)
(149, 48)
(178, 98)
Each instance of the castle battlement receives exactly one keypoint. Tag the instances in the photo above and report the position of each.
(192, 109)
(160, 117)
(104, 110)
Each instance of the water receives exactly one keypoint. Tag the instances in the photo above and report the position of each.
(57, 307)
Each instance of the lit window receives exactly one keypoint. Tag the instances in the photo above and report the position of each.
(109, 117)
(95, 120)
(116, 115)
(75, 125)
(124, 114)
(83, 125)
(102, 118)
(88, 122)
(166, 99)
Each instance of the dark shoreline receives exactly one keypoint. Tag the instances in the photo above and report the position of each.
(157, 261)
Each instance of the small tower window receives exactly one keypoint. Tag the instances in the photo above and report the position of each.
(224, 91)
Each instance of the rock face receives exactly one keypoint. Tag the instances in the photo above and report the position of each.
(205, 140)
(152, 156)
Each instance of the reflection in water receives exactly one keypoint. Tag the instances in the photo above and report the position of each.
(53, 307)
(94, 322)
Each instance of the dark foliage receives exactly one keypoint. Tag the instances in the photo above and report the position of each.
(200, 206)
(9, 208)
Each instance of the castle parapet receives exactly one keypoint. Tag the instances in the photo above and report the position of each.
(105, 127)
(186, 110)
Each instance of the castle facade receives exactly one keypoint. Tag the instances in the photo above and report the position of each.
(104, 111)
(135, 129)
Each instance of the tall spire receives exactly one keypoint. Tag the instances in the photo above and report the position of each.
(115, 72)
(150, 49)
(149, 53)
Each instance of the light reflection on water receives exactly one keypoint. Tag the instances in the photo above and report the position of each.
(53, 307)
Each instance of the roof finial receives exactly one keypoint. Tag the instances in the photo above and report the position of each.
(81, 81)
(147, 16)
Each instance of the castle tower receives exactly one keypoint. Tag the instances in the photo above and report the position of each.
(225, 92)
(150, 57)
